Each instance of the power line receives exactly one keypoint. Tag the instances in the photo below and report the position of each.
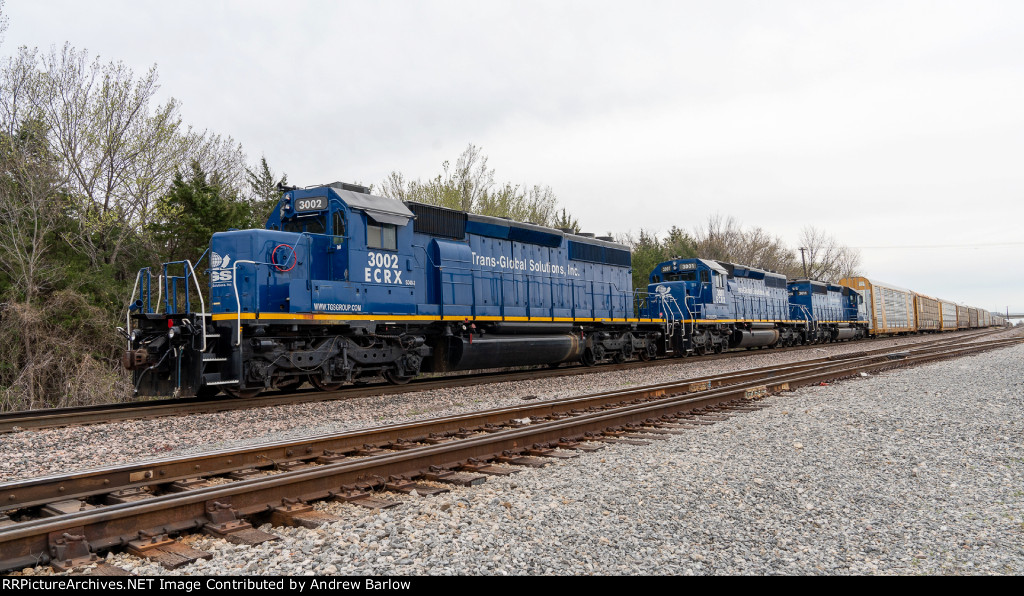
(891, 247)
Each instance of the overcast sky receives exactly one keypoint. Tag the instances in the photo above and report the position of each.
(896, 126)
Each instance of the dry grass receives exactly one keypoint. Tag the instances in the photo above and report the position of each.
(59, 352)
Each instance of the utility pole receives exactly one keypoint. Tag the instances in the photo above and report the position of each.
(804, 259)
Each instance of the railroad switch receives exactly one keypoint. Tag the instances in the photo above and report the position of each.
(296, 514)
(224, 523)
(166, 551)
(69, 549)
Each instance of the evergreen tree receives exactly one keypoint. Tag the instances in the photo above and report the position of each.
(191, 212)
(263, 185)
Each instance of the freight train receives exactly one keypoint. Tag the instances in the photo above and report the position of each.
(342, 285)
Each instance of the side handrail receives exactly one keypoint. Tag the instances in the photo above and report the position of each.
(238, 301)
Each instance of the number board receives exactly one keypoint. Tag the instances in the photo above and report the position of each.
(313, 204)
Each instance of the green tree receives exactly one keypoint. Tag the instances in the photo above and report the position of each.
(263, 191)
(679, 244)
(564, 221)
(648, 251)
(191, 212)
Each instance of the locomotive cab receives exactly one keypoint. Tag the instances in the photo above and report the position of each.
(688, 289)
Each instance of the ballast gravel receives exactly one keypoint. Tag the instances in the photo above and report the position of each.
(34, 453)
(911, 471)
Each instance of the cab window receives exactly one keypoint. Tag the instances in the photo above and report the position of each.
(378, 235)
(309, 225)
(681, 276)
(338, 225)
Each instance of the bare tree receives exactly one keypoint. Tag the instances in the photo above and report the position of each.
(29, 210)
(117, 151)
(470, 186)
(827, 259)
(471, 177)
(29, 183)
(724, 239)
(395, 187)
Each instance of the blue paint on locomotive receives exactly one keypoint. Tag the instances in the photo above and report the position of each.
(703, 289)
(337, 250)
(819, 301)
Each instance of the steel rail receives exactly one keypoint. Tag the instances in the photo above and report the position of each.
(86, 483)
(78, 485)
(103, 413)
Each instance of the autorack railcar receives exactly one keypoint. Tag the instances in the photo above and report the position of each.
(890, 309)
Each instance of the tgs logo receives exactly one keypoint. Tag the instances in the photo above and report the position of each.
(220, 272)
(662, 289)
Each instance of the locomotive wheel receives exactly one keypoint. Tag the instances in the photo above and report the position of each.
(619, 358)
(588, 357)
(242, 393)
(395, 378)
(322, 386)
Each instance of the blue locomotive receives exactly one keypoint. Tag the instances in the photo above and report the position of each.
(711, 306)
(343, 285)
(832, 312)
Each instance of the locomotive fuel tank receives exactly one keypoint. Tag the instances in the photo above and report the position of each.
(742, 338)
(473, 352)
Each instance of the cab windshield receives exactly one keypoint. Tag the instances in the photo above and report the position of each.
(309, 225)
(681, 276)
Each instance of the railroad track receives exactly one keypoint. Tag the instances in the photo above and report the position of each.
(60, 417)
(141, 506)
